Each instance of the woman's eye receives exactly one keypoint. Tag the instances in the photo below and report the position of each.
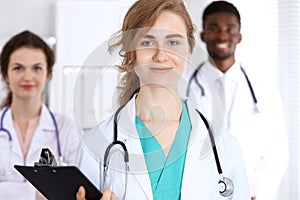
(37, 68)
(147, 43)
(17, 68)
(173, 42)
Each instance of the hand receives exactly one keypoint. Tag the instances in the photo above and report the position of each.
(107, 194)
(80, 195)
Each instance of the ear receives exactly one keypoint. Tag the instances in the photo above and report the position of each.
(240, 37)
(202, 36)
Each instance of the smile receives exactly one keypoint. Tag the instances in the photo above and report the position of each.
(162, 70)
(27, 87)
(222, 45)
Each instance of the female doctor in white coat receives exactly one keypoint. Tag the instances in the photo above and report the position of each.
(170, 154)
(27, 125)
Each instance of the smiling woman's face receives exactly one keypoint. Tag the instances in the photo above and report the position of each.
(27, 73)
(162, 51)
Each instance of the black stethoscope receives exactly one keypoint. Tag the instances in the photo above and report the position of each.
(226, 186)
(194, 77)
(60, 161)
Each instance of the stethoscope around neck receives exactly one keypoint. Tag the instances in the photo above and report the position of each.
(194, 77)
(3, 129)
(226, 186)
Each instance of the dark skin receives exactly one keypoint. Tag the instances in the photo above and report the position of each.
(221, 34)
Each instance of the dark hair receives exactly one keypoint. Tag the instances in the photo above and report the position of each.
(142, 14)
(220, 6)
(24, 39)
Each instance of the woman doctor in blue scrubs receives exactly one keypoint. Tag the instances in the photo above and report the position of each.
(166, 140)
(26, 124)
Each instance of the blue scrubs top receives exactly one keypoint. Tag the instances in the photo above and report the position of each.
(166, 172)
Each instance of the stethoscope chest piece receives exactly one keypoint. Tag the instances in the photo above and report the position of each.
(226, 187)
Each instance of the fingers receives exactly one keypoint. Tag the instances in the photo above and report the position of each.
(80, 195)
(108, 195)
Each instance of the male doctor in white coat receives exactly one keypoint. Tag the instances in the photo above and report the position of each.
(252, 111)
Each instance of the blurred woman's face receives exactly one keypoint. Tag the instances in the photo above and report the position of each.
(162, 51)
(27, 73)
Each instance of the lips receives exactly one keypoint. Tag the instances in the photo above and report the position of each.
(161, 69)
(27, 87)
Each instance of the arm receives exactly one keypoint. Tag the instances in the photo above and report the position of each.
(69, 138)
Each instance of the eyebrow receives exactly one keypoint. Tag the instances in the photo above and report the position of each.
(20, 64)
(168, 36)
(175, 36)
(228, 24)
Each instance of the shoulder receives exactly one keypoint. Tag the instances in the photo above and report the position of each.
(96, 140)
(68, 129)
(63, 118)
(105, 127)
(4, 109)
(66, 123)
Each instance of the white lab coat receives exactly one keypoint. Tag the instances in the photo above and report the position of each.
(12, 186)
(200, 179)
(261, 136)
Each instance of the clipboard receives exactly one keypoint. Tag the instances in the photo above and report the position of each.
(59, 183)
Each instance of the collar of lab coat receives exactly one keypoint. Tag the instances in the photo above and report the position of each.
(128, 134)
(44, 134)
(43, 131)
(127, 128)
(212, 73)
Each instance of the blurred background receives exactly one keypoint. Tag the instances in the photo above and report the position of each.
(78, 31)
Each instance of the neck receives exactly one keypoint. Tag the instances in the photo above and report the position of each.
(223, 65)
(158, 104)
(25, 110)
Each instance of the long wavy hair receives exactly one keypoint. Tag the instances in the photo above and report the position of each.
(142, 14)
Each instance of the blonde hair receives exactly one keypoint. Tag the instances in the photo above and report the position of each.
(143, 13)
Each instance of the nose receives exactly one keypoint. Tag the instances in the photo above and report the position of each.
(27, 74)
(222, 33)
(160, 55)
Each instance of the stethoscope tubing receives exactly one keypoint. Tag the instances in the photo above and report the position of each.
(2, 127)
(223, 180)
(54, 122)
(213, 143)
(194, 77)
(57, 134)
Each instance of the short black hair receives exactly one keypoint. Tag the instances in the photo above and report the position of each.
(220, 6)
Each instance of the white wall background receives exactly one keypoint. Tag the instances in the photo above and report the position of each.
(271, 46)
